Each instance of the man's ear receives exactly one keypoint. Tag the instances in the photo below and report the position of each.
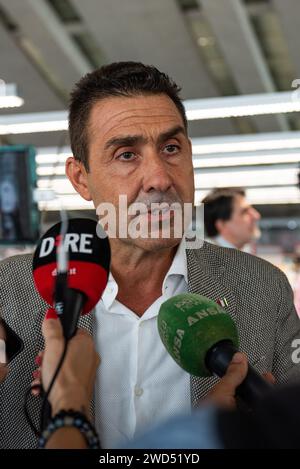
(77, 175)
(220, 224)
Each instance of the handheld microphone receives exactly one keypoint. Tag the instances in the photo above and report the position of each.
(70, 272)
(77, 290)
(202, 338)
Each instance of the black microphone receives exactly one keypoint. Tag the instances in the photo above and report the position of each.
(254, 386)
(202, 338)
(78, 288)
(83, 248)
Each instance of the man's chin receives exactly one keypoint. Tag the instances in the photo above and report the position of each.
(256, 234)
(153, 244)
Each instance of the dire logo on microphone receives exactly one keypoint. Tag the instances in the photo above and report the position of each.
(73, 242)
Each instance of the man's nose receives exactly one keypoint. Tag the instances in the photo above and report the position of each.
(255, 214)
(156, 174)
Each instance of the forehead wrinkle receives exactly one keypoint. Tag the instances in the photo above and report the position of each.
(130, 139)
(138, 118)
(132, 113)
(103, 128)
(124, 127)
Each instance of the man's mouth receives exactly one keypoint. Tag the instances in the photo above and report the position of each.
(159, 211)
(156, 215)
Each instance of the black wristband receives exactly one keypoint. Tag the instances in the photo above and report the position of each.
(71, 418)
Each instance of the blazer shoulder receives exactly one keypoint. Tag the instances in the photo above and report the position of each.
(16, 271)
(17, 263)
(17, 284)
(211, 254)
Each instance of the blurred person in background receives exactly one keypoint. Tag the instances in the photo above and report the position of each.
(230, 221)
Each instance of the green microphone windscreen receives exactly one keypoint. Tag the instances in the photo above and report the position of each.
(189, 325)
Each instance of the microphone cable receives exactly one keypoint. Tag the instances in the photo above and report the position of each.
(45, 404)
(61, 285)
(60, 289)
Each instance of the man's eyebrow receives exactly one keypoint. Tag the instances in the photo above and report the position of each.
(124, 141)
(131, 140)
(171, 133)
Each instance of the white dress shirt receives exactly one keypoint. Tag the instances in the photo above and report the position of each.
(137, 383)
(220, 241)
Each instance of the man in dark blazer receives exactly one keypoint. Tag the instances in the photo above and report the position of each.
(128, 134)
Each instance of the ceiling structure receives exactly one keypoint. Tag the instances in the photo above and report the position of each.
(211, 48)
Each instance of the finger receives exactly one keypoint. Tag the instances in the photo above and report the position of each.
(36, 387)
(52, 329)
(236, 373)
(82, 332)
(37, 374)
(39, 358)
(98, 360)
(51, 314)
(269, 377)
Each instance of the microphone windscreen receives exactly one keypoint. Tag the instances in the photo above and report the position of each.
(88, 266)
(189, 325)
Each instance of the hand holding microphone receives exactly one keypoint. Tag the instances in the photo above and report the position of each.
(202, 339)
(70, 271)
(74, 384)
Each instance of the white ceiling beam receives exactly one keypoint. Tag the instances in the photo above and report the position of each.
(242, 52)
(154, 32)
(39, 23)
(16, 68)
(288, 14)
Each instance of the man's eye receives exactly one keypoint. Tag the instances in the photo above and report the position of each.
(170, 149)
(126, 156)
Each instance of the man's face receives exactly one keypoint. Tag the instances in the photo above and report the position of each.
(138, 147)
(242, 226)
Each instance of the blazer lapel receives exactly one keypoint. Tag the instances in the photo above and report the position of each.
(207, 280)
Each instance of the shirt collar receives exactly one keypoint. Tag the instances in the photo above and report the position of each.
(110, 293)
(179, 264)
(178, 267)
(220, 241)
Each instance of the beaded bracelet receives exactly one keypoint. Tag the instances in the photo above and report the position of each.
(71, 418)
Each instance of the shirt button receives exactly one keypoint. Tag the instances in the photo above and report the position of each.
(138, 391)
